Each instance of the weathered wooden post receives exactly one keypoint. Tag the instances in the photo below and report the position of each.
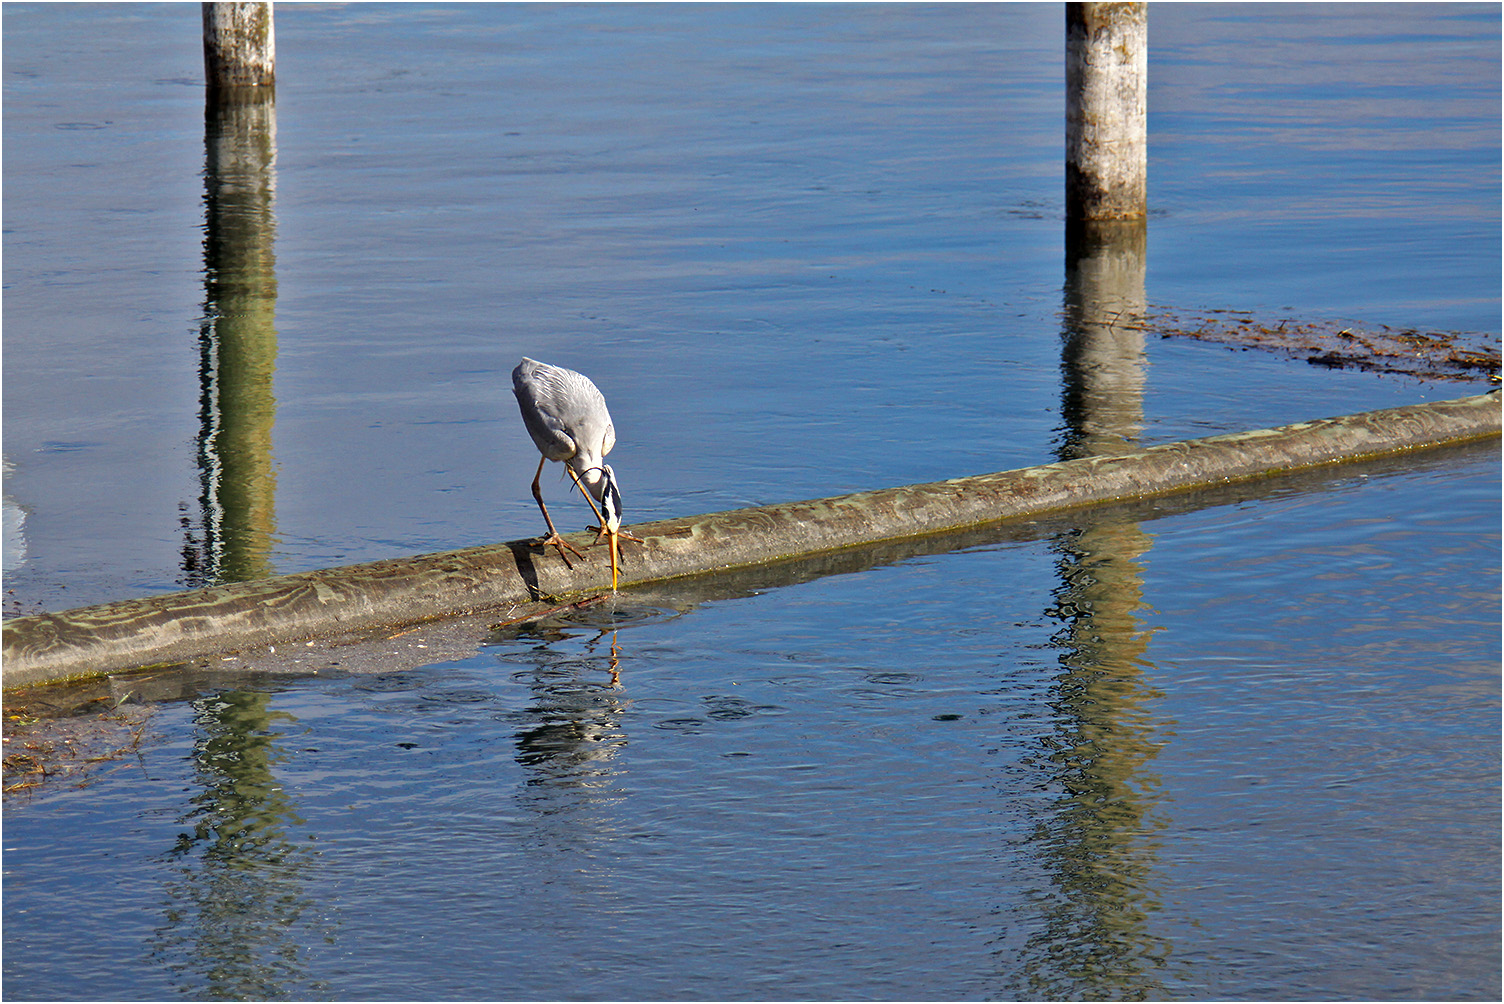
(1106, 110)
(1106, 195)
(240, 47)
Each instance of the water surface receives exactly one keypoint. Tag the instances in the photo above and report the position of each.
(804, 250)
(1237, 752)
(1236, 746)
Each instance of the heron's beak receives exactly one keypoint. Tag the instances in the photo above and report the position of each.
(613, 535)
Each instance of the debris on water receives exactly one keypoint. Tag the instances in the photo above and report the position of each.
(1432, 355)
(41, 747)
(538, 611)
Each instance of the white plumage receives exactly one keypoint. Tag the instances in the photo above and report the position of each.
(566, 415)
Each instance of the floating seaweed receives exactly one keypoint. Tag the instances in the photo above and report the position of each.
(1430, 355)
(41, 747)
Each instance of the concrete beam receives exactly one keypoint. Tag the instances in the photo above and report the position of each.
(180, 626)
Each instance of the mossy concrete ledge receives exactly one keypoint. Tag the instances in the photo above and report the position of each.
(177, 627)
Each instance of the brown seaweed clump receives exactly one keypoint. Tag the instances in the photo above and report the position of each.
(1429, 355)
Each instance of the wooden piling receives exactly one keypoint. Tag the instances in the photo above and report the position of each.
(240, 48)
(187, 625)
(1106, 111)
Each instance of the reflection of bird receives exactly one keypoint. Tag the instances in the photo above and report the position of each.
(566, 416)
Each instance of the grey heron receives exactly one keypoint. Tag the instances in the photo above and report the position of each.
(566, 415)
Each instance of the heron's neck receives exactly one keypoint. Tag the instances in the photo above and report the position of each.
(595, 481)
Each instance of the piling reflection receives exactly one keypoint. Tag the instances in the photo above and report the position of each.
(1102, 356)
(1095, 842)
(236, 522)
(238, 921)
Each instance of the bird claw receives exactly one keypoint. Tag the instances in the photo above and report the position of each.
(560, 544)
(600, 535)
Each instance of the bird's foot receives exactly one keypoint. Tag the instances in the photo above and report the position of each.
(600, 535)
(560, 544)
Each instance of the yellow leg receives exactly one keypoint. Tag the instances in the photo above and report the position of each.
(553, 535)
(600, 531)
(583, 491)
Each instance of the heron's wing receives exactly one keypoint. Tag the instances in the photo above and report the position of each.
(563, 411)
(540, 396)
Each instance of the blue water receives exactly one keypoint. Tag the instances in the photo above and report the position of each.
(1238, 748)
(804, 250)
(1242, 752)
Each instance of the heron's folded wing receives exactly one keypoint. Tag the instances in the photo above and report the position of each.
(542, 398)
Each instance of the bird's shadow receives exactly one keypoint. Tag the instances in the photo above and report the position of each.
(523, 553)
(526, 553)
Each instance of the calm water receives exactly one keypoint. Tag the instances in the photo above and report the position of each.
(804, 250)
(1242, 752)
(1241, 748)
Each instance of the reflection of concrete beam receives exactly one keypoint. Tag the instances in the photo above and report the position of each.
(214, 619)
